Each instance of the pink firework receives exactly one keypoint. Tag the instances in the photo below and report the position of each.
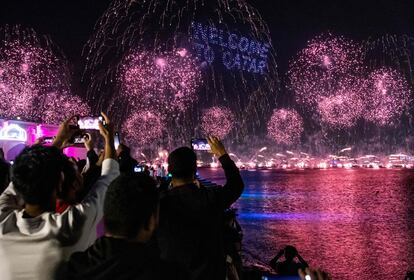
(143, 128)
(165, 82)
(217, 121)
(54, 108)
(27, 72)
(387, 96)
(341, 110)
(285, 126)
(323, 67)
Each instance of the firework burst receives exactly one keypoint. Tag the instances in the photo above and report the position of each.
(155, 28)
(323, 68)
(285, 126)
(55, 108)
(388, 95)
(217, 121)
(30, 70)
(165, 82)
(341, 110)
(142, 128)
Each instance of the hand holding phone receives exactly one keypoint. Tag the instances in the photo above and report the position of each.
(217, 148)
(200, 144)
(90, 123)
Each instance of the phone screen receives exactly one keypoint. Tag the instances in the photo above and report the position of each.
(79, 140)
(48, 140)
(200, 145)
(91, 123)
(117, 140)
(139, 168)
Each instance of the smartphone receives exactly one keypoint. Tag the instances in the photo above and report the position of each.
(139, 168)
(90, 123)
(79, 140)
(200, 144)
(117, 140)
(48, 140)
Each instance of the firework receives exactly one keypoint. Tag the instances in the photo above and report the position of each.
(341, 110)
(393, 51)
(217, 121)
(242, 71)
(285, 126)
(387, 96)
(324, 68)
(55, 108)
(165, 82)
(142, 128)
(29, 71)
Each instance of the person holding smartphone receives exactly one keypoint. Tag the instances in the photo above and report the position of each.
(192, 216)
(35, 238)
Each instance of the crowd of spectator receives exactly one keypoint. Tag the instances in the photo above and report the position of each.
(51, 205)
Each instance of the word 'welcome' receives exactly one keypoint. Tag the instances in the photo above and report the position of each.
(237, 52)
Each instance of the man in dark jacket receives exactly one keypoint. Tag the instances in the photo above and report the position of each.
(192, 216)
(126, 161)
(125, 252)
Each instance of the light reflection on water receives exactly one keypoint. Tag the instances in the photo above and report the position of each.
(356, 224)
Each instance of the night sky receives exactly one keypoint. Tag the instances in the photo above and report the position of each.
(292, 23)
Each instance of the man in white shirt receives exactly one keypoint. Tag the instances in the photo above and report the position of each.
(33, 238)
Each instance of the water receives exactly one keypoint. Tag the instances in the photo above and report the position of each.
(355, 224)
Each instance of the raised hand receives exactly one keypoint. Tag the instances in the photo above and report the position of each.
(217, 148)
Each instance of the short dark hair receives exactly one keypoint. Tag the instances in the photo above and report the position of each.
(182, 163)
(36, 173)
(130, 201)
(4, 175)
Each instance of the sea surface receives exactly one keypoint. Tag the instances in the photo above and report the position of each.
(355, 224)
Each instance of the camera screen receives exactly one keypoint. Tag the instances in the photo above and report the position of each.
(200, 145)
(89, 122)
(48, 140)
(138, 169)
(117, 141)
(79, 140)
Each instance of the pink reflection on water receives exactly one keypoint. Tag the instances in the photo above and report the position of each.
(356, 224)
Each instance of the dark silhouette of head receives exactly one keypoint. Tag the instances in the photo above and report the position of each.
(4, 175)
(37, 175)
(182, 163)
(130, 206)
(123, 149)
(290, 253)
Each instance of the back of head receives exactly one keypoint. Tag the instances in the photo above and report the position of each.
(290, 252)
(130, 202)
(182, 163)
(36, 174)
(4, 175)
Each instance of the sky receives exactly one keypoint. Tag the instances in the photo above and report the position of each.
(291, 22)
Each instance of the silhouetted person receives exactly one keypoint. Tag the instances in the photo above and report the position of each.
(34, 238)
(289, 266)
(192, 216)
(125, 252)
(126, 162)
(4, 172)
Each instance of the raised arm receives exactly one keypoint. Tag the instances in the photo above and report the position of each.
(91, 208)
(302, 261)
(234, 183)
(273, 262)
(9, 201)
